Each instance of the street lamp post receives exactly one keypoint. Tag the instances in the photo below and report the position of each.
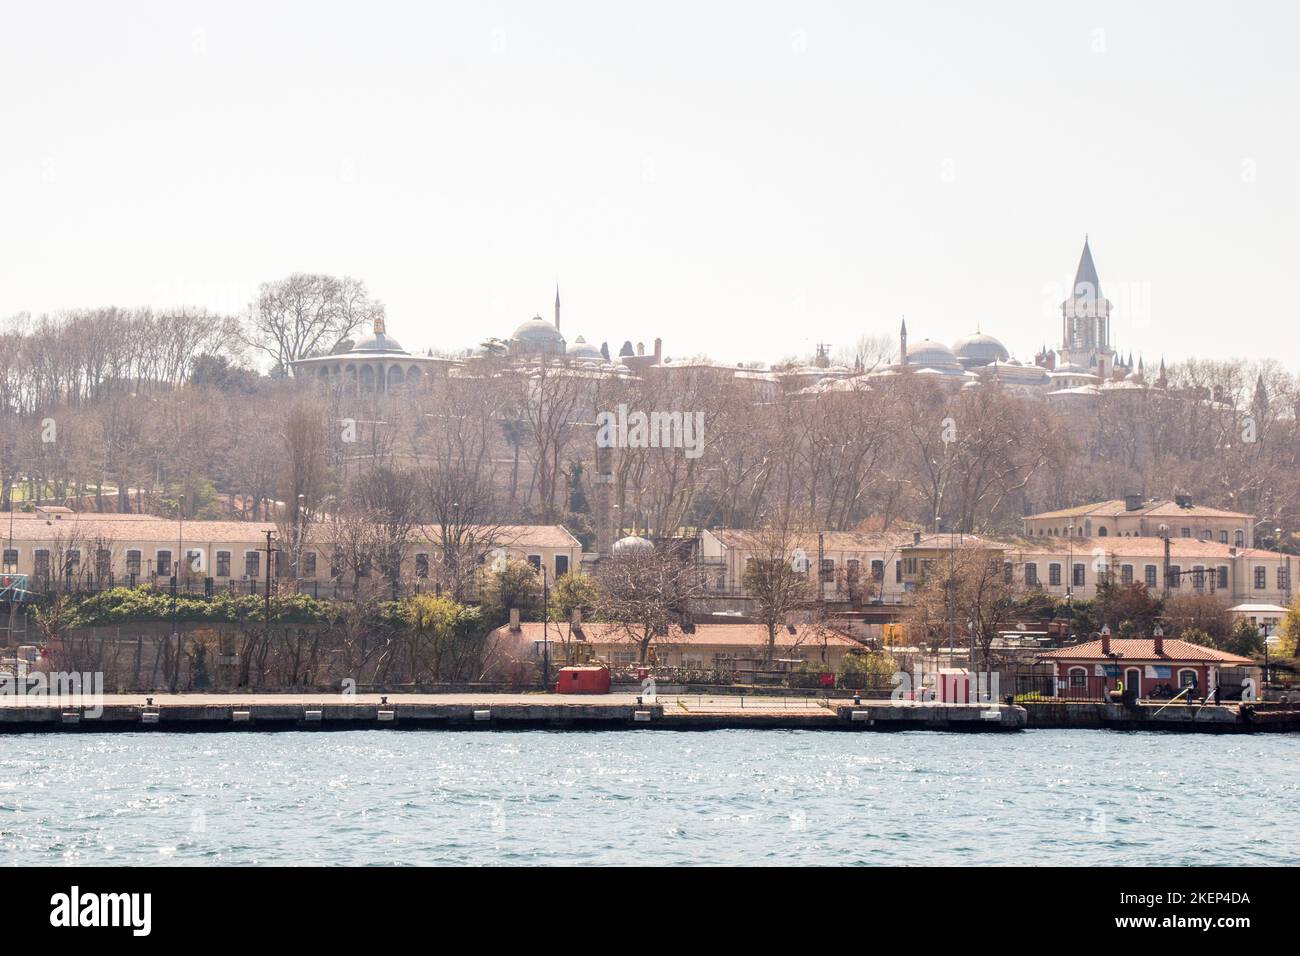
(176, 581)
(546, 643)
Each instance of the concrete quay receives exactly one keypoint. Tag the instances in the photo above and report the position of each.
(234, 712)
(21, 713)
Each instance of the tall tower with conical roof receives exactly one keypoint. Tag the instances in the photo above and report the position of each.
(1085, 322)
(557, 307)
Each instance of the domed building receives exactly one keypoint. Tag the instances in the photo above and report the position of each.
(536, 337)
(633, 545)
(374, 363)
(978, 350)
(583, 351)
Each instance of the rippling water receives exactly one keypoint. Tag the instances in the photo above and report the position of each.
(367, 797)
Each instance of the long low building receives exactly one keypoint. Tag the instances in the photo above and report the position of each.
(708, 646)
(92, 550)
(887, 567)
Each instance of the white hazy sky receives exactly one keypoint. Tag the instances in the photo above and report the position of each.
(742, 179)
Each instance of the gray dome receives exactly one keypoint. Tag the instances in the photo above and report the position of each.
(379, 342)
(633, 545)
(537, 336)
(582, 349)
(930, 353)
(979, 349)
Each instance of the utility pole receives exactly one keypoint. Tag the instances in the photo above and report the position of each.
(1164, 530)
(267, 611)
(176, 582)
(546, 644)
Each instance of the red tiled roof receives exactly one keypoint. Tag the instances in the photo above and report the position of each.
(1143, 649)
(1124, 547)
(1117, 506)
(86, 526)
(730, 635)
(831, 540)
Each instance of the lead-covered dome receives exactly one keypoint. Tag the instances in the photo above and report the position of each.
(979, 349)
(583, 350)
(633, 545)
(379, 342)
(930, 354)
(537, 336)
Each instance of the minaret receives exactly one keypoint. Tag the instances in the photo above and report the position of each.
(902, 343)
(557, 307)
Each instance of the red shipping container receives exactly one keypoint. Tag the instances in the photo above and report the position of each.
(583, 680)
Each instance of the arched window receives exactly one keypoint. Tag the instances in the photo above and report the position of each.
(1240, 539)
(1186, 677)
(395, 378)
(413, 375)
(1102, 532)
(367, 378)
(1078, 678)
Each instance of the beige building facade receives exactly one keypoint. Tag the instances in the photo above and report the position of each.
(56, 547)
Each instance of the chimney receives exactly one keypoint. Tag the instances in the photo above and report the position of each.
(1132, 502)
(514, 620)
(1160, 644)
(1105, 641)
(659, 351)
(916, 539)
(1183, 501)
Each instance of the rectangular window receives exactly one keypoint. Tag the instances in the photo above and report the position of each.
(561, 564)
(1150, 575)
(1079, 575)
(1126, 574)
(1187, 532)
(1198, 578)
(41, 565)
(309, 564)
(421, 565)
(252, 563)
(1261, 578)
(1223, 577)
(828, 570)
(133, 563)
(1031, 574)
(223, 564)
(877, 570)
(163, 562)
(852, 569)
(11, 561)
(1223, 537)
(536, 561)
(1008, 572)
(1174, 576)
(103, 563)
(1283, 577)
(1054, 575)
(72, 563)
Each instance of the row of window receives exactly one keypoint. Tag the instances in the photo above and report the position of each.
(161, 563)
(1085, 531)
(1197, 577)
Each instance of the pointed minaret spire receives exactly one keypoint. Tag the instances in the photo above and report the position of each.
(902, 342)
(557, 307)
